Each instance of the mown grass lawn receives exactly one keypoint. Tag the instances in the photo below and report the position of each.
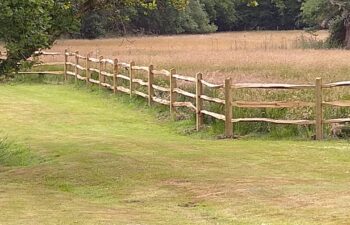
(96, 160)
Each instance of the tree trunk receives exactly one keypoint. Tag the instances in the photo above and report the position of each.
(347, 35)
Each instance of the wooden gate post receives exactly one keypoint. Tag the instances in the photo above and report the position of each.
(318, 109)
(131, 76)
(65, 64)
(228, 109)
(173, 96)
(199, 101)
(88, 74)
(115, 74)
(76, 71)
(150, 84)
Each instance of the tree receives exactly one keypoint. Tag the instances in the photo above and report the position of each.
(263, 16)
(27, 26)
(290, 12)
(194, 19)
(222, 13)
(268, 14)
(92, 26)
(332, 13)
(167, 19)
(31, 25)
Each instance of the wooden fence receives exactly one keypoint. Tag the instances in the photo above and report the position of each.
(82, 67)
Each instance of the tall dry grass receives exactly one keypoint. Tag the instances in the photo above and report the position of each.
(244, 56)
(264, 56)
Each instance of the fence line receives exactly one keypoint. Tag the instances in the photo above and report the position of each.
(94, 66)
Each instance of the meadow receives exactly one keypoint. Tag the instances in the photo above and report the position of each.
(263, 56)
(79, 156)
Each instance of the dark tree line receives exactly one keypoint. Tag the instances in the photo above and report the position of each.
(199, 16)
(205, 16)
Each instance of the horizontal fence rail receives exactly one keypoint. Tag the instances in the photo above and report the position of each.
(138, 80)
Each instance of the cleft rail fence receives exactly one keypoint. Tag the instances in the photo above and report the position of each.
(125, 78)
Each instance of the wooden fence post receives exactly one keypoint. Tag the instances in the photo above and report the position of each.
(228, 109)
(150, 85)
(318, 109)
(173, 96)
(131, 76)
(76, 71)
(115, 74)
(87, 74)
(100, 72)
(105, 70)
(65, 64)
(199, 101)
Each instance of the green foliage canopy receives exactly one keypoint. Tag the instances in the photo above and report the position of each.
(28, 26)
(332, 13)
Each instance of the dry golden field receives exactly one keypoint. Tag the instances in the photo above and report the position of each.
(245, 56)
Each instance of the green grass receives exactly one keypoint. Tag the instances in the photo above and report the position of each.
(105, 161)
(12, 154)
